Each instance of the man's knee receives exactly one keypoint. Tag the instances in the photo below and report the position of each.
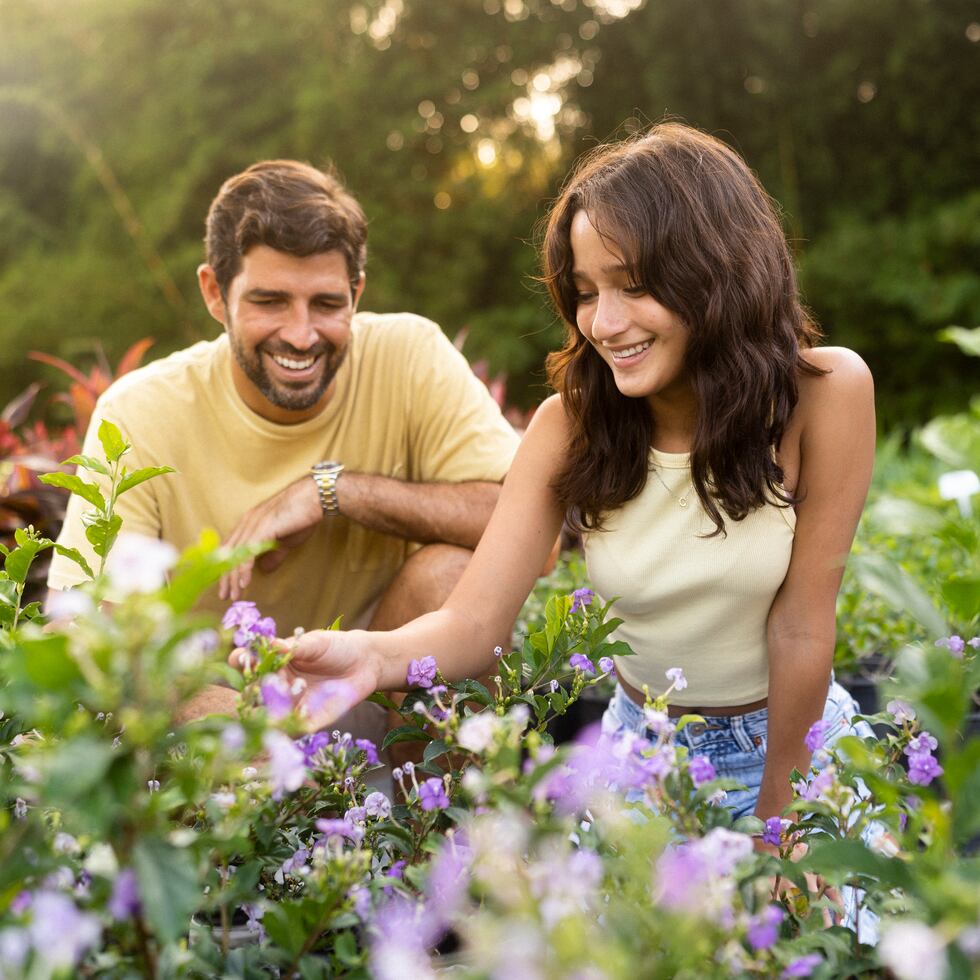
(422, 584)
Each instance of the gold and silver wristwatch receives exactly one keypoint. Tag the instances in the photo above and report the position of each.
(325, 475)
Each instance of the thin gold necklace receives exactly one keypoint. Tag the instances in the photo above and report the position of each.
(681, 500)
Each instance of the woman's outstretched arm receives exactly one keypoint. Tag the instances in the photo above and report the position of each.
(837, 439)
(478, 614)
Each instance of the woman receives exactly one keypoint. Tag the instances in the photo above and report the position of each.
(716, 461)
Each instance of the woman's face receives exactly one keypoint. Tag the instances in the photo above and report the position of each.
(642, 341)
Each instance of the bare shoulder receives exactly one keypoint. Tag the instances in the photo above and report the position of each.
(842, 368)
(551, 419)
(844, 386)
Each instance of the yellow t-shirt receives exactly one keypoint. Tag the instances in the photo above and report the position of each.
(406, 405)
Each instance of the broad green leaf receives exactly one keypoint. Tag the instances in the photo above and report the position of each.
(18, 563)
(968, 341)
(831, 857)
(433, 750)
(47, 662)
(88, 463)
(137, 477)
(69, 481)
(474, 691)
(102, 534)
(955, 439)
(962, 594)
(168, 887)
(112, 441)
(885, 578)
(77, 768)
(405, 733)
(76, 556)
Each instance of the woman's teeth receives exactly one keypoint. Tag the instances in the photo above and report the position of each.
(630, 351)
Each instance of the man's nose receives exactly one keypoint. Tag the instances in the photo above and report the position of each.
(299, 332)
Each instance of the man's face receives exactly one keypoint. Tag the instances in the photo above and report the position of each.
(288, 321)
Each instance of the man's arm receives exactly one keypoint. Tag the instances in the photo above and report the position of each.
(450, 513)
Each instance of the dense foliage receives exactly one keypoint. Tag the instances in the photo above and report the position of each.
(454, 123)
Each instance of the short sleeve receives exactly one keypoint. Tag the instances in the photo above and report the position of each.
(457, 432)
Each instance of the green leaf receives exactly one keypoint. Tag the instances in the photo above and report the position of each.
(77, 769)
(474, 691)
(962, 594)
(112, 441)
(102, 534)
(405, 733)
(168, 887)
(830, 857)
(433, 750)
(75, 484)
(885, 578)
(18, 562)
(76, 556)
(968, 341)
(47, 662)
(88, 463)
(137, 477)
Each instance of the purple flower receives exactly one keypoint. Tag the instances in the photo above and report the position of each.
(900, 710)
(311, 746)
(773, 833)
(923, 768)
(763, 930)
(606, 665)
(816, 787)
(403, 931)
(701, 770)
(955, 644)
(815, 736)
(60, 933)
(125, 899)
(340, 695)
(581, 598)
(378, 805)
(422, 673)
(276, 697)
(676, 677)
(339, 829)
(975, 643)
(432, 794)
(579, 661)
(923, 742)
(803, 966)
(21, 902)
(254, 914)
(287, 763)
(369, 749)
(250, 622)
(297, 862)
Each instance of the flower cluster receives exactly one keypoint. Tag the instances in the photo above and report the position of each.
(250, 625)
(923, 767)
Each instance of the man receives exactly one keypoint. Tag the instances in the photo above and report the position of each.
(361, 444)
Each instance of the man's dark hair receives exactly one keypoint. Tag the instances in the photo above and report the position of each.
(289, 206)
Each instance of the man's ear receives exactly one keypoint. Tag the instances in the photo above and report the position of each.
(358, 289)
(211, 293)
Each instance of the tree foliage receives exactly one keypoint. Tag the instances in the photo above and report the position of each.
(454, 123)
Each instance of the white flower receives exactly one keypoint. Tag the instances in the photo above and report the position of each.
(65, 844)
(68, 603)
(676, 676)
(101, 861)
(723, 849)
(882, 842)
(139, 563)
(900, 710)
(224, 801)
(377, 805)
(287, 764)
(477, 732)
(913, 951)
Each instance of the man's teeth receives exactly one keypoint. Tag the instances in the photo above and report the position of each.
(288, 362)
(630, 351)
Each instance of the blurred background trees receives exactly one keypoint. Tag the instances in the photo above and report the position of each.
(454, 122)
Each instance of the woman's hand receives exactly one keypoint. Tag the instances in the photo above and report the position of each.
(329, 671)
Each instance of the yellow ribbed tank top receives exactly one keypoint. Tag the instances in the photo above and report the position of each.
(688, 600)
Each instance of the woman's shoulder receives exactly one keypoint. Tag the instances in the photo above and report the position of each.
(839, 364)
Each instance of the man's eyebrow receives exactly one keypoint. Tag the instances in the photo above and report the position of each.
(258, 293)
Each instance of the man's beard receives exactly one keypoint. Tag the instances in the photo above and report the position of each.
(292, 398)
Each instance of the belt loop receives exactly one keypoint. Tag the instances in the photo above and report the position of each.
(740, 735)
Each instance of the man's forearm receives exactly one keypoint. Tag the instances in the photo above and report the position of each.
(450, 513)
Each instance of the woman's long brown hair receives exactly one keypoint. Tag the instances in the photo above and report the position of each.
(699, 233)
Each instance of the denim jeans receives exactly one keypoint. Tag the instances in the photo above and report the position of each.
(736, 746)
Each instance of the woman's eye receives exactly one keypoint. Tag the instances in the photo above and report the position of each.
(635, 291)
(581, 297)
